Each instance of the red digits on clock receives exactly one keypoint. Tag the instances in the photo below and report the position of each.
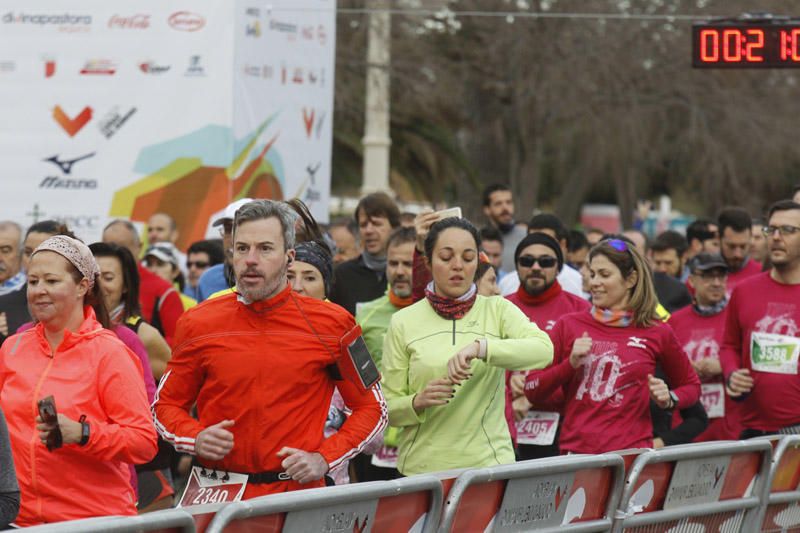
(709, 46)
(789, 42)
(731, 46)
(751, 47)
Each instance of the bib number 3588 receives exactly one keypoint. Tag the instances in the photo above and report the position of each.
(207, 486)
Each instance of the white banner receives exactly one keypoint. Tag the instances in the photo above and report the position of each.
(125, 109)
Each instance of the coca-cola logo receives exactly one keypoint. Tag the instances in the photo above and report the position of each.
(186, 21)
(134, 22)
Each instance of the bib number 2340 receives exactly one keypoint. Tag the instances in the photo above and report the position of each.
(209, 486)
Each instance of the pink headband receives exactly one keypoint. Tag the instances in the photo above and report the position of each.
(74, 251)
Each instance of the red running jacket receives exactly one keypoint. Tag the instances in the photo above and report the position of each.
(265, 366)
(90, 373)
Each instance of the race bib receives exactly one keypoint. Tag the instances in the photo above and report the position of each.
(386, 457)
(538, 427)
(207, 486)
(773, 353)
(712, 396)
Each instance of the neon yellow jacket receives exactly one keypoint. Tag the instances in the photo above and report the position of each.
(471, 430)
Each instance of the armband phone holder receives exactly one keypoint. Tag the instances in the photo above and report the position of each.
(355, 364)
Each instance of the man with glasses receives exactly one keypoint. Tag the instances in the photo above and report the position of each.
(539, 259)
(201, 256)
(699, 328)
(761, 345)
(217, 279)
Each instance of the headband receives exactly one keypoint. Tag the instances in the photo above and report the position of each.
(74, 251)
(314, 254)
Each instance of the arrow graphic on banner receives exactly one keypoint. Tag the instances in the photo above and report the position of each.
(72, 125)
(308, 120)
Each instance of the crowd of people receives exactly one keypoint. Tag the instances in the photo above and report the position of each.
(287, 354)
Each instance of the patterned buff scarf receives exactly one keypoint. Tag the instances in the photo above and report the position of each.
(449, 308)
(617, 319)
(710, 310)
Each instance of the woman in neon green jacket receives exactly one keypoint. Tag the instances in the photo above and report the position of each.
(444, 362)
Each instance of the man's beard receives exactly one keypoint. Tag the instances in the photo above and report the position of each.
(272, 284)
(536, 291)
(405, 293)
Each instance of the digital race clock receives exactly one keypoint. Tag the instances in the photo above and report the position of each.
(751, 41)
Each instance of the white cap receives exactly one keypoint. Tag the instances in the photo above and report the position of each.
(230, 211)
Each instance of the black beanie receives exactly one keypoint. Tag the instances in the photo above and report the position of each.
(540, 238)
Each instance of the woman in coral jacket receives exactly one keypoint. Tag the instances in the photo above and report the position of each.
(605, 359)
(103, 417)
(444, 362)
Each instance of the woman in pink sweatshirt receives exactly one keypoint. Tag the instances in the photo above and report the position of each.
(604, 359)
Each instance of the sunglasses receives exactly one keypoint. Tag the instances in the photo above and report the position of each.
(618, 244)
(198, 264)
(545, 261)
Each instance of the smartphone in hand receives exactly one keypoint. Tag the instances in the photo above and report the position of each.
(49, 415)
(453, 212)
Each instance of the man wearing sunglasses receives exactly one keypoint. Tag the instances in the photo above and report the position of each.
(761, 345)
(201, 256)
(539, 259)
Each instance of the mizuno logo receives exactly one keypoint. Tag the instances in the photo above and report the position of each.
(66, 164)
(636, 342)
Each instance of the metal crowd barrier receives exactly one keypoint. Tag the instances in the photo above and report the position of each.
(167, 521)
(577, 493)
(408, 504)
(712, 487)
(723, 487)
(782, 510)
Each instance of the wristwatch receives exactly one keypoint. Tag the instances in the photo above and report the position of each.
(674, 398)
(84, 431)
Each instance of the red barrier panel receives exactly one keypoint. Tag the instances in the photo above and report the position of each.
(711, 487)
(561, 492)
(783, 512)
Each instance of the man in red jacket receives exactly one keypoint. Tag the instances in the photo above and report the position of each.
(539, 259)
(761, 346)
(260, 365)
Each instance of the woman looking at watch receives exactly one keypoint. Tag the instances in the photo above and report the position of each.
(444, 361)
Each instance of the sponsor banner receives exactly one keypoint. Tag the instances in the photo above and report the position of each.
(356, 516)
(534, 502)
(291, 92)
(697, 481)
(160, 107)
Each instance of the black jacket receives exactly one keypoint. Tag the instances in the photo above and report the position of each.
(354, 283)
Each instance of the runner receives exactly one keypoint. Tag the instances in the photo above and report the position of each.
(699, 329)
(363, 279)
(539, 260)
(9, 490)
(605, 359)
(735, 229)
(77, 466)
(260, 365)
(760, 349)
(449, 406)
(374, 318)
